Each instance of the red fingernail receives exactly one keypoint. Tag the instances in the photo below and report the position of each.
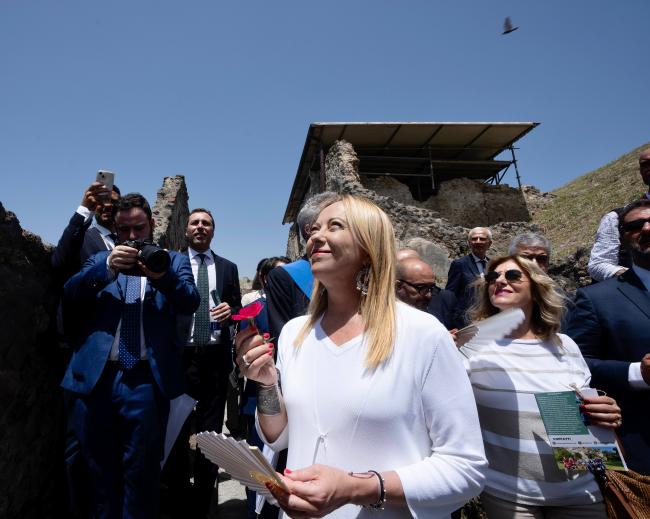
(288, 471)
(266, 335)
(270, 353)
(270, 345)
(583, 408)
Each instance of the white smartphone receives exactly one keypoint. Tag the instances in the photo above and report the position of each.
(107, 178)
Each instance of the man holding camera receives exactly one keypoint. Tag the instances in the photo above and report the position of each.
(122, 309)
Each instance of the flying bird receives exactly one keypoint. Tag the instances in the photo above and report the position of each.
(507, 26)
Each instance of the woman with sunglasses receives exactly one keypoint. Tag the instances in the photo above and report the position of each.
(368, 394)
(523, 477)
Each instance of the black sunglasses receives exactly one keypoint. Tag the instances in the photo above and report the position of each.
(634, 225)
(542, 259)
(421, 288)
(512, 276)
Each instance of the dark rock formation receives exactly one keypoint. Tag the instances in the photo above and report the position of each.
(171, 212)
(31, 363)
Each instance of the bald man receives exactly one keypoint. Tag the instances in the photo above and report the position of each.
(406, 253)
(608, 258)
(415, 286)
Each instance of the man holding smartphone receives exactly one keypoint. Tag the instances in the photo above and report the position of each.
(208, 362)
(85, 236)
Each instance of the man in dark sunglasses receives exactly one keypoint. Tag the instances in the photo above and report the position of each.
(533, 246)
(608, 257)
(611, 324)
(416, 286)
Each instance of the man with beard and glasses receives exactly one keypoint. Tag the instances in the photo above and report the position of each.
(608, 257)
(611, 324)
(85, 235)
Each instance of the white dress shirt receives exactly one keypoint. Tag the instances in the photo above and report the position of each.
(479, 264)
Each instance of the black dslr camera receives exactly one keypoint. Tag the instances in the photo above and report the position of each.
(155, 258)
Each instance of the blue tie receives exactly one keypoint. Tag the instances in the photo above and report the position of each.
(129, 349)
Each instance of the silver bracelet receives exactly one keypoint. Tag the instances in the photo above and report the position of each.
(380, 504)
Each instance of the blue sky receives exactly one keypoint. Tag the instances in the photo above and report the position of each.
(223, 92)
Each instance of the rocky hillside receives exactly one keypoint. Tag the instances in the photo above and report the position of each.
(569, 217)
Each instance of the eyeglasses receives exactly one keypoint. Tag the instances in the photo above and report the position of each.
(422, 288)
(634, 225)
(512, 276)
(542, 259)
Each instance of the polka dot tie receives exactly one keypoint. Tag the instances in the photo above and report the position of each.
(129, 349)
(202, 315)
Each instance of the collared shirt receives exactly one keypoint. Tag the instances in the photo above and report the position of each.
(195, 261)
(603, 260)
(105, 233)
(634, 376)
(85, 212)
(479, 263)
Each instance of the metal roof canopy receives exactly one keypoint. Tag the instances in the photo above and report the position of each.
(438, 151)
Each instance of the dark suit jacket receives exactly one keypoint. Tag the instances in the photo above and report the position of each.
(443, 306)
(611, 323)
(462, 273)
(284, 300)
(78, 242)
(94, 301)
(227, 288)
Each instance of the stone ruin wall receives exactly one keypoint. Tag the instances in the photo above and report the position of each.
(464, 203)
(32, 361)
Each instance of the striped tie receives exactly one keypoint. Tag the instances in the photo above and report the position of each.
(129, 347)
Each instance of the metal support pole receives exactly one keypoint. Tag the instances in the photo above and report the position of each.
(322, 169)
(433, 176)
(514, 161)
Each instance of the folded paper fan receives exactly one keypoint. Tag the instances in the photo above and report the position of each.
(243, 462)
(490, 329)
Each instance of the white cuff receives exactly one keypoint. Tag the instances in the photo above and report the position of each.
(85, 212)
(635, 378)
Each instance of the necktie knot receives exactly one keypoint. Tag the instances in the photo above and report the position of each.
(202, 258)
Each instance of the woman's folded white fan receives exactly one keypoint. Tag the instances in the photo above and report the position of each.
(243, 462)
(490, 329)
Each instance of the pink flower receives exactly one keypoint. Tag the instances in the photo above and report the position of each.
(248, 312)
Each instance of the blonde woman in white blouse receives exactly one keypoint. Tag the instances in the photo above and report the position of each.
(369, 395)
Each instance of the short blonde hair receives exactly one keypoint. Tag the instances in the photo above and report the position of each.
(548, 307)
(373, 232)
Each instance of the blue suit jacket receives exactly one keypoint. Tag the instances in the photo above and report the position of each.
(462, 273)
(611, 323)
(93, 304)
